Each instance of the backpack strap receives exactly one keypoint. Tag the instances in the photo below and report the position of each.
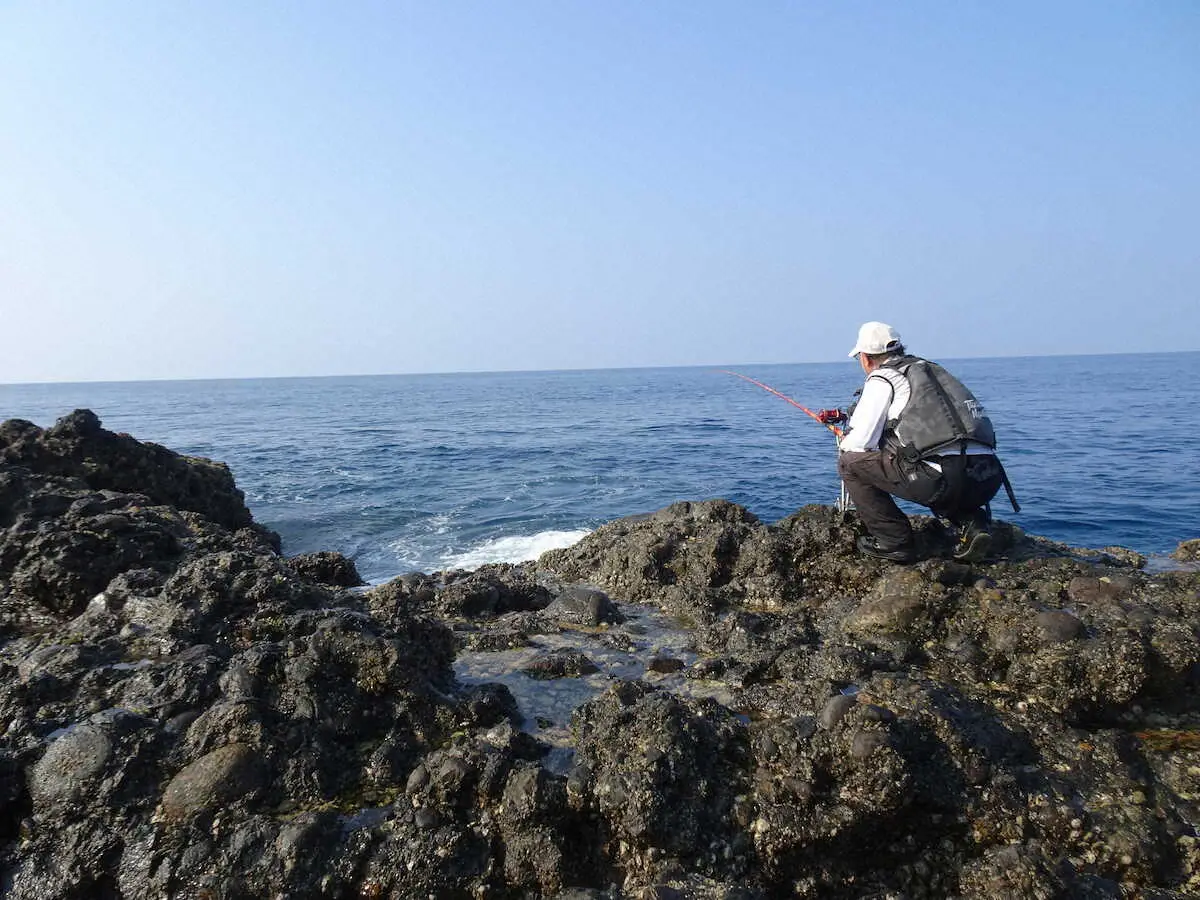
(888, 382)
(1008, 489)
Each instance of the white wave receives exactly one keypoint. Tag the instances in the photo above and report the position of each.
(513, 549)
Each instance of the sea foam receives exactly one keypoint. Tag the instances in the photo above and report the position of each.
(513, 549)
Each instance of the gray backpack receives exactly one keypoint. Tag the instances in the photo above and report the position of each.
(941, 414)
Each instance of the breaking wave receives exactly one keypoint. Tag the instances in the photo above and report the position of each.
(513, 549)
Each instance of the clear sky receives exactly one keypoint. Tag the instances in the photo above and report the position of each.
(229, 189)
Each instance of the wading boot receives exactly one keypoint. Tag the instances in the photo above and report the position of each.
(902, 553)
(976, 540)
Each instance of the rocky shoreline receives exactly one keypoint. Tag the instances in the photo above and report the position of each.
(185, 712)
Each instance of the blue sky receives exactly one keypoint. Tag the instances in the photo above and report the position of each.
(219, 189)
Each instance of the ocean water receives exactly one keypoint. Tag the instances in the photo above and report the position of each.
(424, 472)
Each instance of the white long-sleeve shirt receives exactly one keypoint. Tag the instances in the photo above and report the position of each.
(884, 395)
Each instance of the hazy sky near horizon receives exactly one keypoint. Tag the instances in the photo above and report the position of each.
(303, 188)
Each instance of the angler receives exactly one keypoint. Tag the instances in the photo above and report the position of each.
(919, 434)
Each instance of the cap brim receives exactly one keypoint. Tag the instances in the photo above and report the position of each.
(853, 353)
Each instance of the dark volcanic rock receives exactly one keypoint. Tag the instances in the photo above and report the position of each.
(78, 447)
(580, 605)
(183, 713)
(691, 558)
(559, 664)
(665, 664)
(970, 704)
(326, 567)
(488, 592)
(1188, 551)
(667, 777)
(226, 774)
(81, 506)
(62, 560)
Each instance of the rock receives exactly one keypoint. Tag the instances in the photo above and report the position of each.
(225, 775)
(1057, 626)
(1016, 870)
(1086, 590)
(1124, 556)
(485, 705)
(866, 743)
(1187, 551)
(61, 561)
(896, 607)
(184, 710)
(560, 664)
(77, 446)
(69, 766)
(697, 556)
(417, 780)
(835, 709)
(488, 592)
(537, 854)
(664, 665)
(326, 567)
(581, 605)
(664, 773)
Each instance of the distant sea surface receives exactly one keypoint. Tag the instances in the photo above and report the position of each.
(425, 472)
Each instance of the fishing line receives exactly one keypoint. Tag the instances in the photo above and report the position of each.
(844, 503)
(766, 387)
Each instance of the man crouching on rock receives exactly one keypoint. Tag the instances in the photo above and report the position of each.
(916, 433)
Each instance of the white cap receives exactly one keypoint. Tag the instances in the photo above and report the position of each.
(875, 337)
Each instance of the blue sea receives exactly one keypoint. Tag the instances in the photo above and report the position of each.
(424, 472)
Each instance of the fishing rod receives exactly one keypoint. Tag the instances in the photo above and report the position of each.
(826, 417)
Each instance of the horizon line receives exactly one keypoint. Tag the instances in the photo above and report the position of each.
(547, 371)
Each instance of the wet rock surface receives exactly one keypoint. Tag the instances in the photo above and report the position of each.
(326, 567)
(689, 703)
(1188, 551)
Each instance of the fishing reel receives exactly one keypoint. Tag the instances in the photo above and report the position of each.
(831, 416)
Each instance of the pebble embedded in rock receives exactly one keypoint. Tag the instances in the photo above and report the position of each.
(664, 664)
(834, 710)
(70, 765)
(225, 775)
(1057, 626)
(417, 779)
(866, 743)
(897, 607)
(875, 713)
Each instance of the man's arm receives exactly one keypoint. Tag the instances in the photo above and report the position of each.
(866, 425)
